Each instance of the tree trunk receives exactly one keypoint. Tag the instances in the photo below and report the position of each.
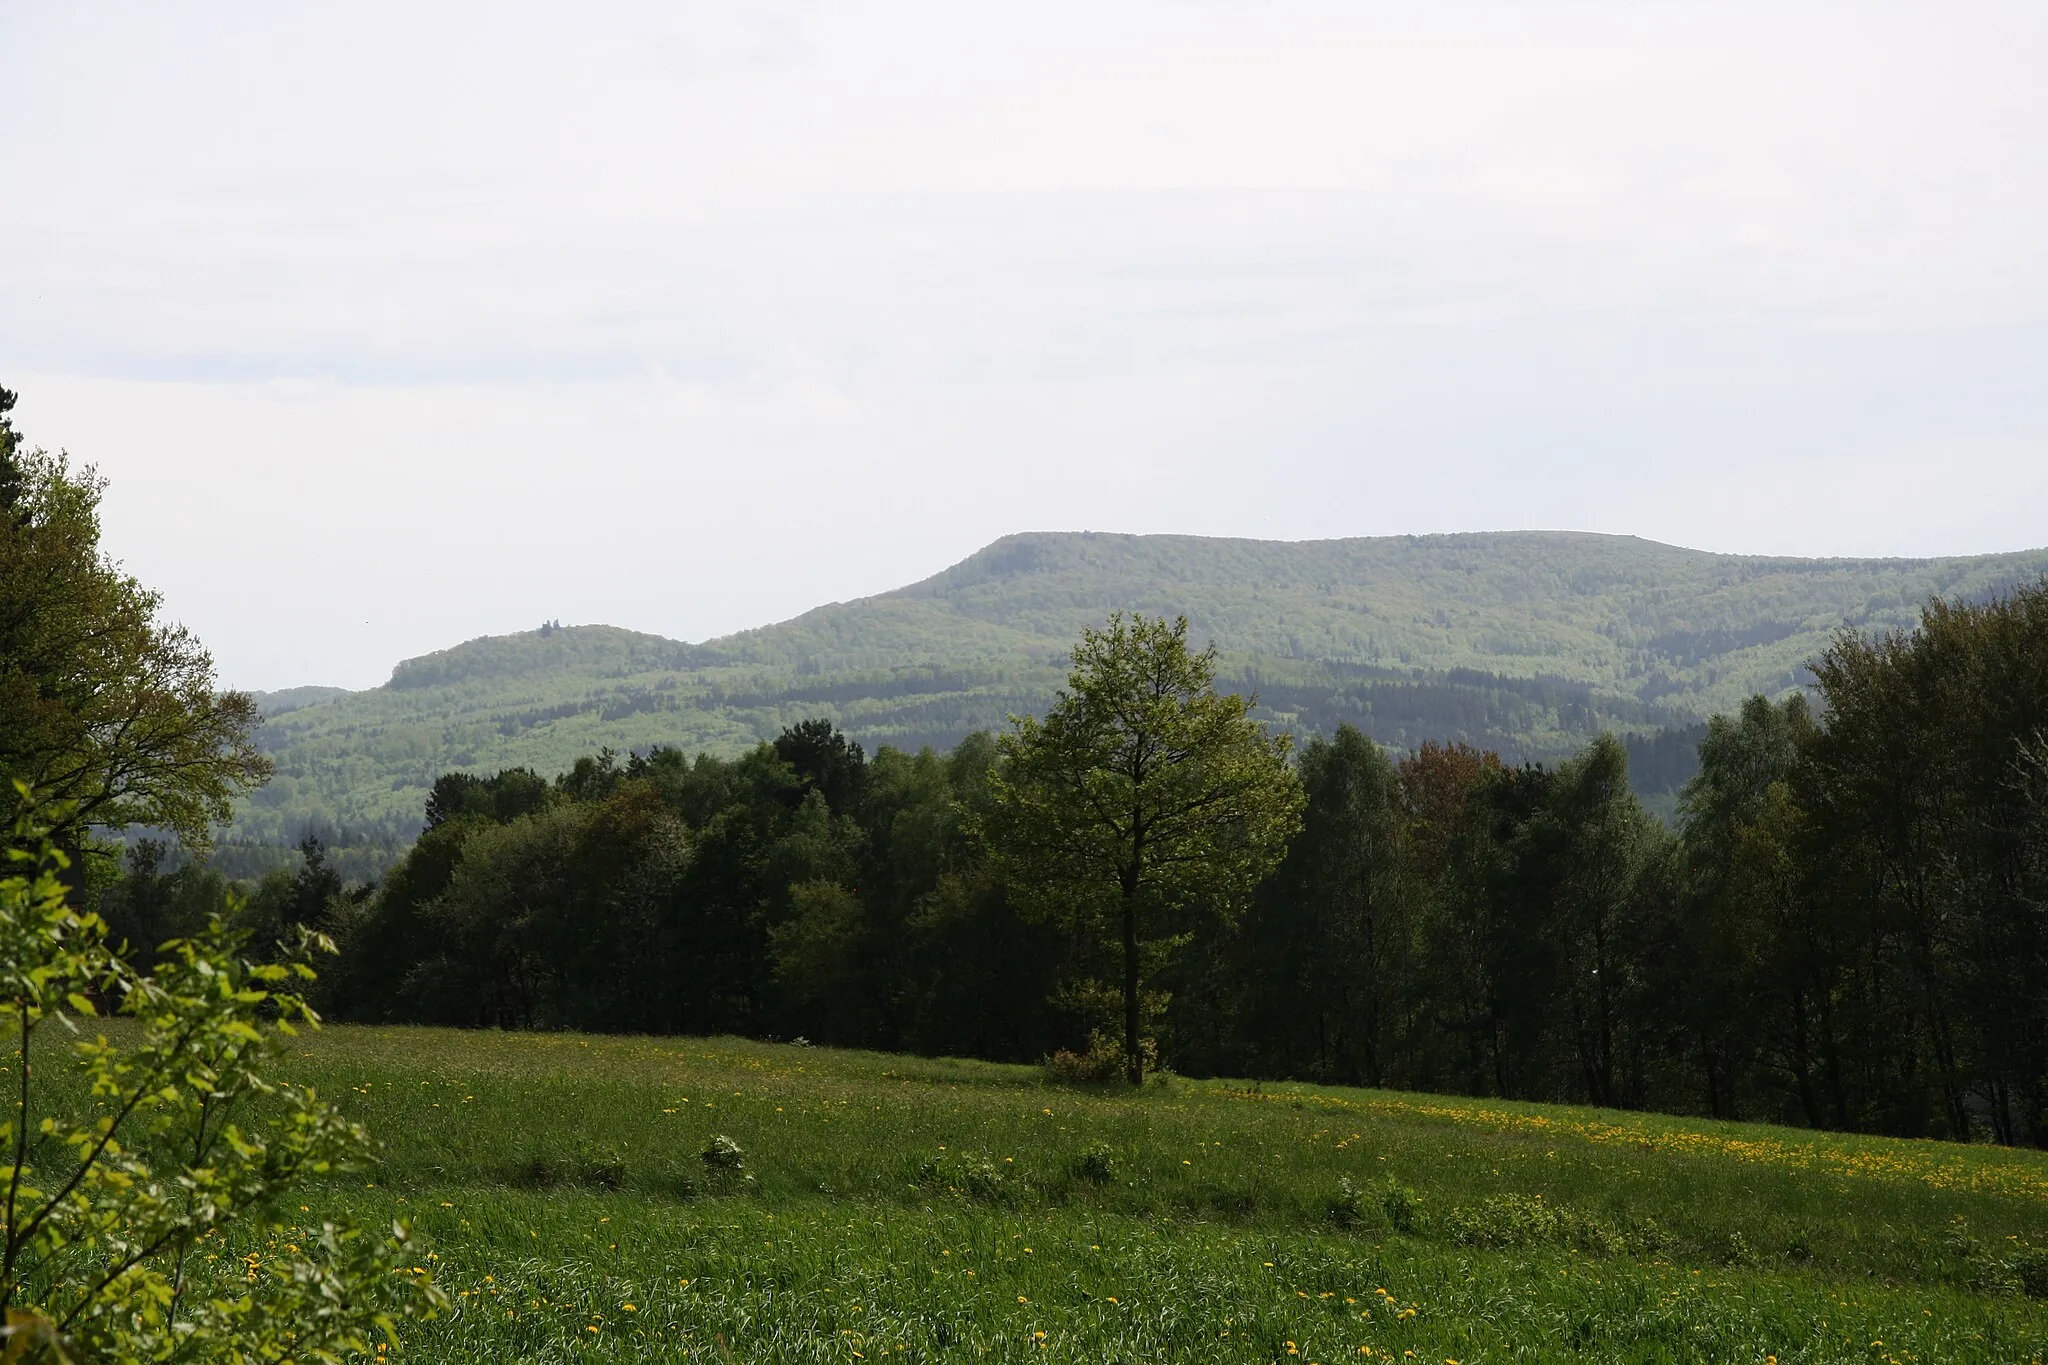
(1134, 1057)
(1802, 1062)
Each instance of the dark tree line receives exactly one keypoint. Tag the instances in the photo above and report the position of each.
(800, 889)
(1848, 928)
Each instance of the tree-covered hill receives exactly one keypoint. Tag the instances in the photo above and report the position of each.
(1527, 642)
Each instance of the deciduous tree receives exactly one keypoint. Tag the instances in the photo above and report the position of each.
(1143, 792)
(107, 711)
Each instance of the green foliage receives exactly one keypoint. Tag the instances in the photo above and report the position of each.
(1401, 1204)
(1504, 1222)
(1844, 932)
(826, 762)
(13, 478)
(1142, 798)
(1452, 924)
(1860, 939)
(502, 798)
(152, 904)
(1528, 644)
(1336, 925)
(1923, 836)
(1347, 1206)
(106, 710)
(601, 1166)
(725, 1165)
(1097, 1165)
(1744, 945)
(517, 937)
(819, 958)
(723, 1154)
(1103, 1061)
(161, 1137)
(669, 894)
(1562, 895)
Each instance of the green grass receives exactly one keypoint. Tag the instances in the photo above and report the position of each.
(893, 1208)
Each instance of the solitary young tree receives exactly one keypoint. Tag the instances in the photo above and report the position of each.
(1142, 794)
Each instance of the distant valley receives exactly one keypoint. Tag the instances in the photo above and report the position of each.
(1525, 642)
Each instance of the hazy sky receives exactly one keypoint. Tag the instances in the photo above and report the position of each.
(398, 324)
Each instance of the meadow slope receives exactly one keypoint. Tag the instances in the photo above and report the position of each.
(892, 1208)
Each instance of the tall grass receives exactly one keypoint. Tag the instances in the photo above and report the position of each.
(883, 1208)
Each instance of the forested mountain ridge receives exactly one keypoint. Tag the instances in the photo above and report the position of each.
(1527, 642)
(1617, 612)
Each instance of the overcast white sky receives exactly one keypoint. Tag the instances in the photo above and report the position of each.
(398, 324)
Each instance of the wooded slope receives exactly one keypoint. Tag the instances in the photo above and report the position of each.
(1527, 642)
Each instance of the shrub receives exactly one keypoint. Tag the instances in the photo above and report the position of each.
(194, 1137)
(723, 1154)
(1347, 1205)
(2030, 1271)
(1097, 1066)
(1101, 1064)
(1402, 1205)
(1505, 1221)
(2018, 1267)
(973, 1177)
(2015, 1267)
(989, 1181)
(1508, 1221)
(1097, 1165)
(726, 1165)
(601, 1167)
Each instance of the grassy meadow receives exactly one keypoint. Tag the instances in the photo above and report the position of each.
(884, 1208)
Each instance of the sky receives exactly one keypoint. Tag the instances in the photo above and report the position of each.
(395, 325)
